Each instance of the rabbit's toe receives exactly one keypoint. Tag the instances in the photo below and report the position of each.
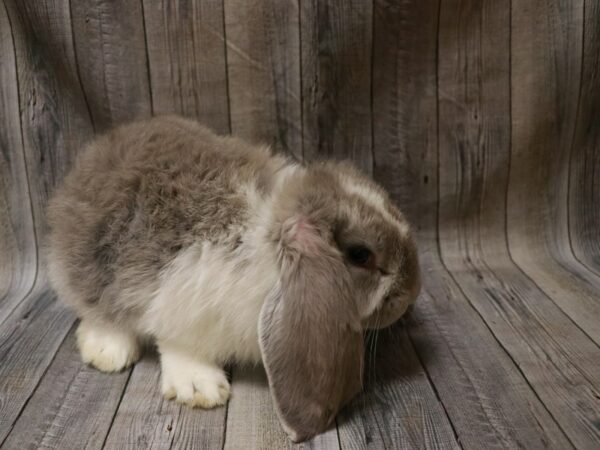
(194, 383)
(109, 350)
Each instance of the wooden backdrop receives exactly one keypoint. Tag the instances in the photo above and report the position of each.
(481, 117)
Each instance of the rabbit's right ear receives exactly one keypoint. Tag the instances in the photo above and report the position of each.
(310, 333)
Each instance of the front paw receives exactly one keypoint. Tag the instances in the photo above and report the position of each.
(192, 382)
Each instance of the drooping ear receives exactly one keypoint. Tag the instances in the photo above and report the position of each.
(310, 334)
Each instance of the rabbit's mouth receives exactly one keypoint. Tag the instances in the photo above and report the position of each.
(389, 312)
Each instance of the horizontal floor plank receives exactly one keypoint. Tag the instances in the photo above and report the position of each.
(29, 340)
(489, 402)
(72, 407)
(144, 419)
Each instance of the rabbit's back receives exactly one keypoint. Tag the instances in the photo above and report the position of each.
(135, 197)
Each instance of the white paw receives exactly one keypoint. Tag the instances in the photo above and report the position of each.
(107, 349)
(193, 382)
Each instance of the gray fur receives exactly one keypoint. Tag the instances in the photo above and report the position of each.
(143, 193)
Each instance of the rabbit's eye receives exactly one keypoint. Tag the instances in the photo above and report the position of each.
(359, 255)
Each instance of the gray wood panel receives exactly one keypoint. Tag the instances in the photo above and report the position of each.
(399, 408)
(186, 55)
(489, 401)
(144, 419)
(542, 133)
(73, 407)
(479, 117)
(584, 194)
(28, 343)
(111, 60)
(18, 245)
(263, 67)
(475, 151)
(336, 80)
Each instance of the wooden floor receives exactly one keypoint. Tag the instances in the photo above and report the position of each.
(480, 117)
(485, 360)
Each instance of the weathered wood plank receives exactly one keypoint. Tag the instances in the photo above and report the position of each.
(72, 407)
(144, 419)
(54, 124)
(550, 350)
(490, 403)
(252, 422)
(543, 125)
(54, 116)
(584, 195)
(263, 64)
(548, 347)
(186, 52)
(28, 342)
(485, 396)
(399, 408)
(111, 57)
(336, 80)
(18, 245)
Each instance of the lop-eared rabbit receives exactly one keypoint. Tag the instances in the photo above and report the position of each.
(218, 251)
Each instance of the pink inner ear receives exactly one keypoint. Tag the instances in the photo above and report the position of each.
(301, 235)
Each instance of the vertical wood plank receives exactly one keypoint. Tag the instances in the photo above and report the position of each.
(54, 123)
(54, 116)
(186, 52)
(72, 407)
(111, 56)
(474, 149)
(404, 108)
(459, 353)
(336, 80)
(545, 78)
(18, 245)
(263, 64)
(584, 194)
(474, 142)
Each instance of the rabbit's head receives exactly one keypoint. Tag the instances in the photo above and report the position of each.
(348, 262)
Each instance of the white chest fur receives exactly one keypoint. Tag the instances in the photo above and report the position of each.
(209, 301)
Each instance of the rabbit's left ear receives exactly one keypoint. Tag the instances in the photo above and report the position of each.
(310, 334)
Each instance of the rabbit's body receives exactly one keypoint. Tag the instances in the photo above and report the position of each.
(207, 245)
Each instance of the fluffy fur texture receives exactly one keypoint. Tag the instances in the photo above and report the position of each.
(221, 252)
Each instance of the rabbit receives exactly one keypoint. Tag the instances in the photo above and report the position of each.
(218, 251)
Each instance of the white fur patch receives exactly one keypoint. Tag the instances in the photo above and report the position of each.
(375, 200)
(209, 301)
(107, 349)
(385, 283)
(192, 382)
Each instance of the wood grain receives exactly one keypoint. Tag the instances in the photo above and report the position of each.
(584, 195)
(399, 408)
(144, 419)
(251, 419)
(542, 133)
(17, 236)
(186, 55)
(336, 80)
(474, 150)
(54, 124)
(111, 57)
(491, 404)
(28, 343)
(263, 65)
(73, 407)
(479, 117)
(54, 116)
